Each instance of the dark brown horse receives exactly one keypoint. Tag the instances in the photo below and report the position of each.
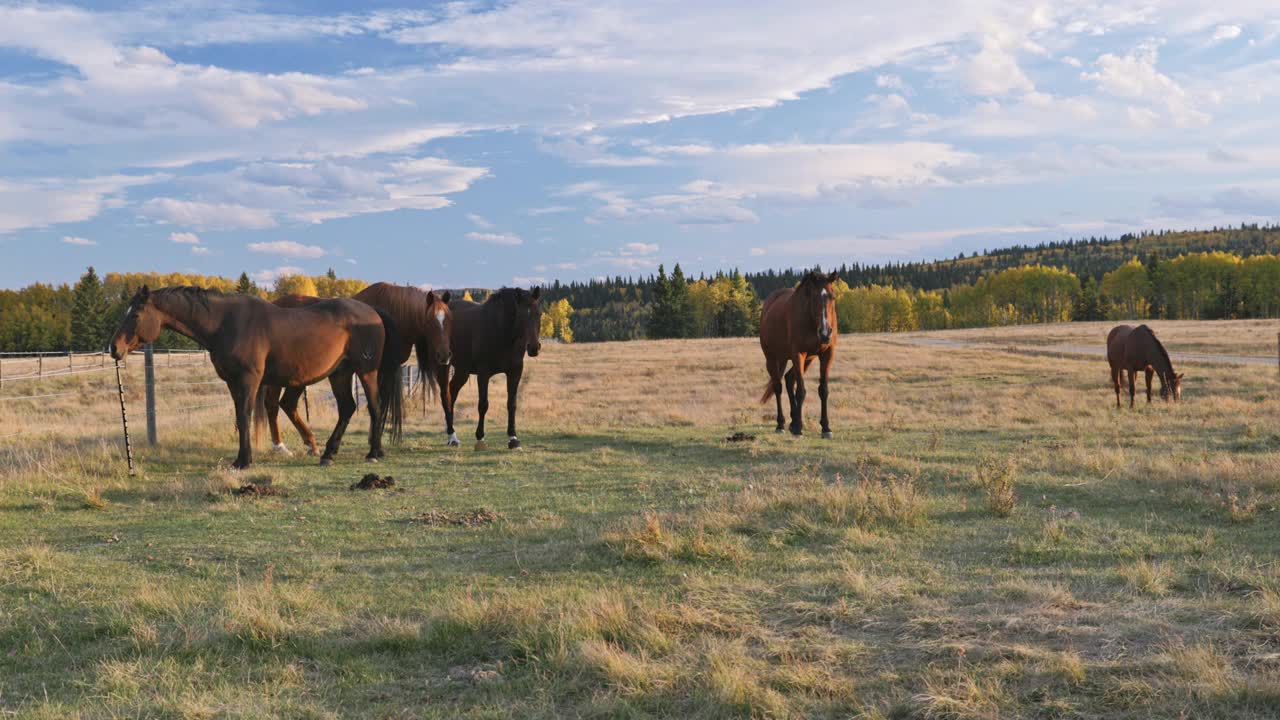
(1131, 349)
(795, 326)
(423, 321)
(491, 338)
(251, 341)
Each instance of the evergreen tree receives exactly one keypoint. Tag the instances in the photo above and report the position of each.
(660, 319)
(1089, 304)
(681, 308)
(87, 315)
(245, 286)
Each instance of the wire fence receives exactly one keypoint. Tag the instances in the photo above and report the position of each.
(63, 397)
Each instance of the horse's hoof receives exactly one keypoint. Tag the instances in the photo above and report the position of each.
(371, 460)
(780, 430)
(454, 441)
(312, 452)
(513, 444)
(482, 445)
(826, 435)
(326, 462)
(281, 449)
(797, 431)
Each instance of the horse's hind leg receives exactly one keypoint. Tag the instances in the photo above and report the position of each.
(289, 403)
(790, 377)
(369, 381)
(1133, 387)
(775, 382)
(271, 404)
(341, 384)
(1116, 382)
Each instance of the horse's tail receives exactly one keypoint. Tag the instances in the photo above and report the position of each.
(260, 411)
(768, 392)
(390, 383)
(426, 370)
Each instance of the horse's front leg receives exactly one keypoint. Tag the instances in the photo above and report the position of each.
(775, 383)
(1149, 373)
(369, 381)
(449, 389)
(1116, 376)
(798, 363)
(824, 369)
(513, 389)
(482, 406)
(1133, 387)
(243, 393)
(340, 383)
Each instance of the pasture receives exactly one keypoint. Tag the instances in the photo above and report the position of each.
(986, 536)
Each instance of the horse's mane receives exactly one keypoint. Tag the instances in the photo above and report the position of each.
(1164, 354)
(812, 278)
(407, 305)
(191, 294)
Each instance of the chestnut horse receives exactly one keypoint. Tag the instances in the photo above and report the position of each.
(1136, 348)
(423, 321)
(491, 338)
(251, 341)
(795, 326)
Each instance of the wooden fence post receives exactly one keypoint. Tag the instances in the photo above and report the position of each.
(39, 365)
(150, 367)
(1, 373)
(71, 361)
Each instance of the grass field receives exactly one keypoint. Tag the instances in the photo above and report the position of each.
(986, 537)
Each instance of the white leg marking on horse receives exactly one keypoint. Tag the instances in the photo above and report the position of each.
(280, 448)
(453, 439)
(512, 437)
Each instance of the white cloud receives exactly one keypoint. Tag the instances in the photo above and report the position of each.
(639, 248)
(287, 248)
(184, 238)
(479, 221)
(207, 216)
(82, 242)
(1225, 32)
(27, 203)
(532, 281)
(200, 250)
(757, 251)
(1134, 76)
(549, 210)
(495, 238)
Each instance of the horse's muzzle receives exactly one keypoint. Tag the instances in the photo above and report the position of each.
(443, 359)
(824, 338)
(534, 350)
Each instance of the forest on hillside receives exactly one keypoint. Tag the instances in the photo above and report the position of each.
(1217, 273)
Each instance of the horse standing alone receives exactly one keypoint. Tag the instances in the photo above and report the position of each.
(1132, 349)
(491, 338)
(250, 342)
(797, 324)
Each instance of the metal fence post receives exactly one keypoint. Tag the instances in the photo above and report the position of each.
(150, 367)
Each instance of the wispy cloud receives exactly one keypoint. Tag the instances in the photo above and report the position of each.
(287, 248)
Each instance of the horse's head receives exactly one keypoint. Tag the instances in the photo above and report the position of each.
(529, 317)
(142, 324)
(1174, 386)
(440, 327)
(525, 311)
(819, 302)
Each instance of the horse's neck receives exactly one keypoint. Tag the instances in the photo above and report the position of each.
(1160, 359)
(185, 318)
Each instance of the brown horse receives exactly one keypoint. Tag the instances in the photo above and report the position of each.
(423, 321)
(491, 338)
(251, 341)
(796, 325)
(1136, 348)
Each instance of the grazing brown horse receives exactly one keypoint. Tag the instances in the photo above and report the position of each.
(491, 338)
(251, 341)
(797, 324)
(423, 321)
(1130, 349)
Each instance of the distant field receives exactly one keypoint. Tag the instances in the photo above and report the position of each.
(632, 563)
(1224, 337)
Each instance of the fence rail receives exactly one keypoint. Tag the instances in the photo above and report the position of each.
(170, 398)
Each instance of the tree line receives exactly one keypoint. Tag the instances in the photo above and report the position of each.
(1217, 273)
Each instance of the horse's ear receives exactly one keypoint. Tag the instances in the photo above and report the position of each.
(445, 297)
(144, 292)
(536, 294)
(431, 297)
(1181, 375)
(833, 276)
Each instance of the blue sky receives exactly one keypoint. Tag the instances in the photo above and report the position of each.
(491, 143)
